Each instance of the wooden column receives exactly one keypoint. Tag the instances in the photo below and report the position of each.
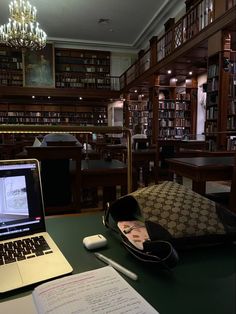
(153, 98)
(153, 49)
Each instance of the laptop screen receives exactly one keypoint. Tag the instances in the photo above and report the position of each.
(21, 204)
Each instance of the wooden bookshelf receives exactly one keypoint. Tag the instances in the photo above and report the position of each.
(221, 103)
(231, 112)
(11, 73)
(176, 114)
(53, 114)
(74, 68)
(77, 68)
(137, 112)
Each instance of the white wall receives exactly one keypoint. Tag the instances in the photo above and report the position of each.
(115, 113)
(201, 108)
(120, 62)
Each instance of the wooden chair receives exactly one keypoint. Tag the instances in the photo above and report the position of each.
(61, 186)
(140, 143)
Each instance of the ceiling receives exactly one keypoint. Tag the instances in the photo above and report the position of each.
(124, 24)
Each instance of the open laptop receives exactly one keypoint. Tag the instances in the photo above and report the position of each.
(27, 253)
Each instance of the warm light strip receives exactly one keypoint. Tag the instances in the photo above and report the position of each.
(28, 128)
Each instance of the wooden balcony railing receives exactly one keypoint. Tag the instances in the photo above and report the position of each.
(191, 24)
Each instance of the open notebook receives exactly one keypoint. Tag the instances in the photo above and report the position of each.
(27, 253)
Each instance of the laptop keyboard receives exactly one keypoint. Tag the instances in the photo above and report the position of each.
(19, 250)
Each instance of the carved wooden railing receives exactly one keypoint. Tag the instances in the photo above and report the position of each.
(193, 22)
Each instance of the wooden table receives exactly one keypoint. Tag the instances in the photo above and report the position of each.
(202, 282)
(202, 169)
(105, 174)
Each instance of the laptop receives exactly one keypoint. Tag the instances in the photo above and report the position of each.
(28, 254)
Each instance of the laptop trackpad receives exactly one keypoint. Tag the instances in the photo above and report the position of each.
(40, 268)
(10, 277)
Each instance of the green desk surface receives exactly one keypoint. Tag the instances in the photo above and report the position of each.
(204, 281)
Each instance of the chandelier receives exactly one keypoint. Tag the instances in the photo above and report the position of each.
(22, 30)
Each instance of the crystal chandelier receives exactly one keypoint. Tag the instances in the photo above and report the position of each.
(22, 30)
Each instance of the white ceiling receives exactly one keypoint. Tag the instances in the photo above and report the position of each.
(131, 22)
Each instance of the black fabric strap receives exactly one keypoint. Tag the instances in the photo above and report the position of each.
(155, 252)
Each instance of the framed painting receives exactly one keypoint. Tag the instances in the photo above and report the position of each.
(39, 67)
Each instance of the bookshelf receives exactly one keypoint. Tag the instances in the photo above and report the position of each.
(221, 101)
(176, 109)
(75, 68)
(53, 114)
(137, 113)
(231, 112)
(212, 101)
(11, 73)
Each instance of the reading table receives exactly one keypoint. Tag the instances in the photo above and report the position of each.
(202, 169)
(202, 282)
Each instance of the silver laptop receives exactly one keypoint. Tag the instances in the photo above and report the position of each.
(27, 253)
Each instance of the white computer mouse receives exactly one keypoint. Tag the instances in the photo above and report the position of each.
(94, 242)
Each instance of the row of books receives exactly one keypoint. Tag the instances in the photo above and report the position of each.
(211, 127)
(232, 107)
(231, 123)
(55, 120)
(80, 54)
(78, 60)
(170, 105)
(166, 105)
(213, 70)
(167, 114)
(182, 123)
(172, 133)
(48, 114)
(166, 123)
(231, 143)
(213, 85)
(81, 68)
(10, 82)
(186, 96)
(211, 113)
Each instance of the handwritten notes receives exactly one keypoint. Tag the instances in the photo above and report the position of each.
(97, 291)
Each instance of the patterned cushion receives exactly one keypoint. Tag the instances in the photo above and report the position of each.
(179, 210)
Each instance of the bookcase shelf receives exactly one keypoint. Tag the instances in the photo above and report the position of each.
(74, 68)
(77, 68)
(88, 70)
(166, 111)
(137, 113)
(11, 73)
(53, 114)
(221, 100)
(175, 104)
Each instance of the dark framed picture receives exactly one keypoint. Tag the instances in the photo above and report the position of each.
(39, 67)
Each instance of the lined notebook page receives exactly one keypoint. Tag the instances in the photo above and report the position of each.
(97, 291)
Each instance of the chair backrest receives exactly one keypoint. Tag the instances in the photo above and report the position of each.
(140, 143)
(56, 165)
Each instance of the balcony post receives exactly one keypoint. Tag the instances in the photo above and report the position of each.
(153, 50)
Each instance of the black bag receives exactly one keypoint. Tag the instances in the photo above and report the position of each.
(174, 218)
